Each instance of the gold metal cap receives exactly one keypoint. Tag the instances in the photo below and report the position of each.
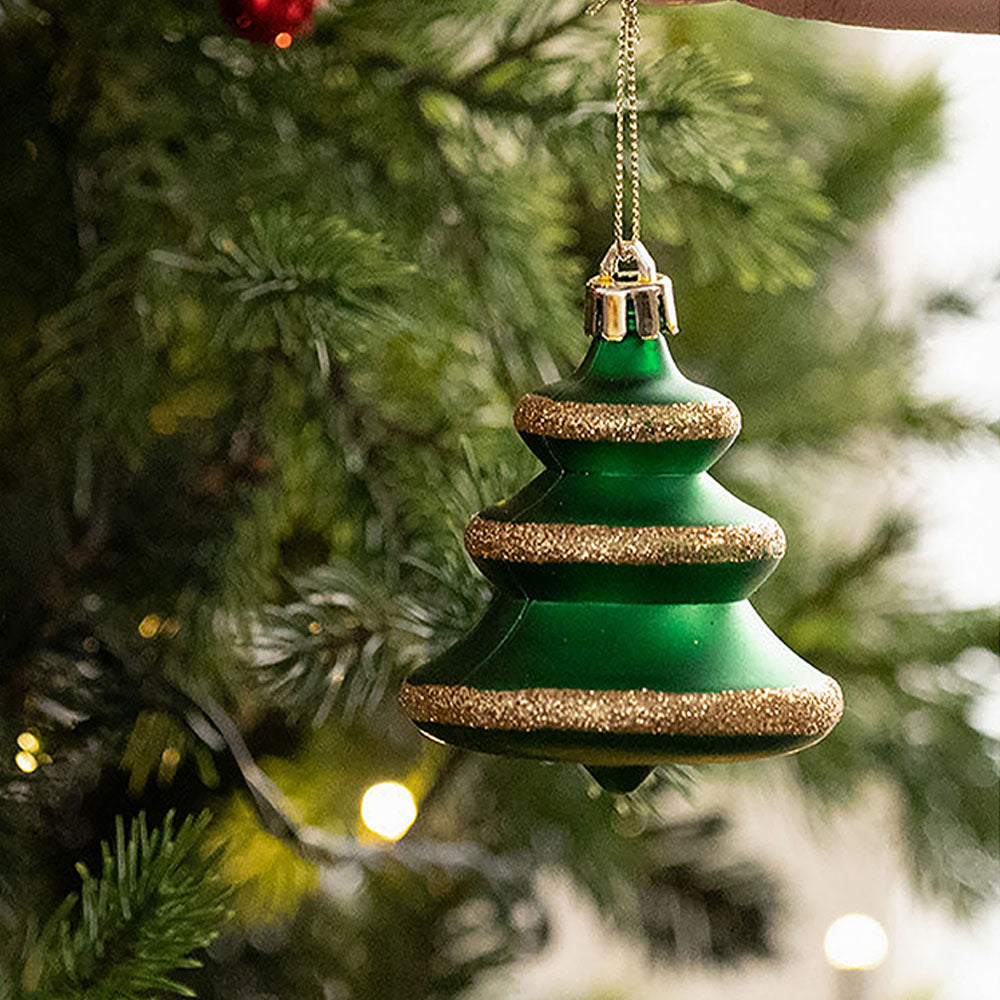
(650, 293)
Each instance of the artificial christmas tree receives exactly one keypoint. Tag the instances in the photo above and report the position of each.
(265, 320)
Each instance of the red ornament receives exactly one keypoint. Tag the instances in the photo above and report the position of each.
(268, 22)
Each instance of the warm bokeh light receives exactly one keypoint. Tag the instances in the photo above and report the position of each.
(169, 760)
(26, 761)
(388, 809)
(855, 941)
(170, 627)
(282, 39)
(29, 741)
(149, 626)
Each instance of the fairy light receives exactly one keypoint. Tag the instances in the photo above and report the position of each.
(149, 626)
(388, 809)
(29, 742)
(26, 761)
(170, 627)
(282, 40)
(855, 941)
(169, 760)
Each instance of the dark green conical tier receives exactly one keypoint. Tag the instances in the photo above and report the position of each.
(620, 635)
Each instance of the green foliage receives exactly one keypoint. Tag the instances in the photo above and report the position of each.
(917, 686)
(344, 636)
(347, 638)
(295, 277)
(156, 901)
(265, 315)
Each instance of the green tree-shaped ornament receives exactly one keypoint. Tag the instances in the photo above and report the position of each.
(620, 635)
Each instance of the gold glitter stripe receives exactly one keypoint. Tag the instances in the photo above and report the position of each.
(651, 545)
(625, 422)
(792, 711)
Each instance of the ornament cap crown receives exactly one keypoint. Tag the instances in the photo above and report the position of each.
(640, 302)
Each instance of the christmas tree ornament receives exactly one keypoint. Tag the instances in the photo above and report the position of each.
(621, 635)
(268, 22)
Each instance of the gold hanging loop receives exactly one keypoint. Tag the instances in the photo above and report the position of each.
(624, 250)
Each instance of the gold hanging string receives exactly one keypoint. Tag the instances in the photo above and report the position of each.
(633, 108)
(626, 100)
(641, 300)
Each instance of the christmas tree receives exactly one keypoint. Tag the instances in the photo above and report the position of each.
(267, 307)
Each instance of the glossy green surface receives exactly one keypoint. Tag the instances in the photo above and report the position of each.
(574, 498)
(632, 371)
(612, 752)
(663, 647)
(599, 583)
(616, 458)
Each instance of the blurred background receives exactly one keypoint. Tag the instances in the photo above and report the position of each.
(272, 277)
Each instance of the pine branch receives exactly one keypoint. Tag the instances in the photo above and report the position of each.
(292, 277)
(717, 175)
(889, 538)
(510, 51)
(940, 422)
(156, 902)
(343, 640)
(351, 633)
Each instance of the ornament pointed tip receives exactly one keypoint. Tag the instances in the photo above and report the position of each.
(619, 779)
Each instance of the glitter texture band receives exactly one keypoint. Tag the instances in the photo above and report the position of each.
(792, 711)
(621, 422)
(651, 545)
